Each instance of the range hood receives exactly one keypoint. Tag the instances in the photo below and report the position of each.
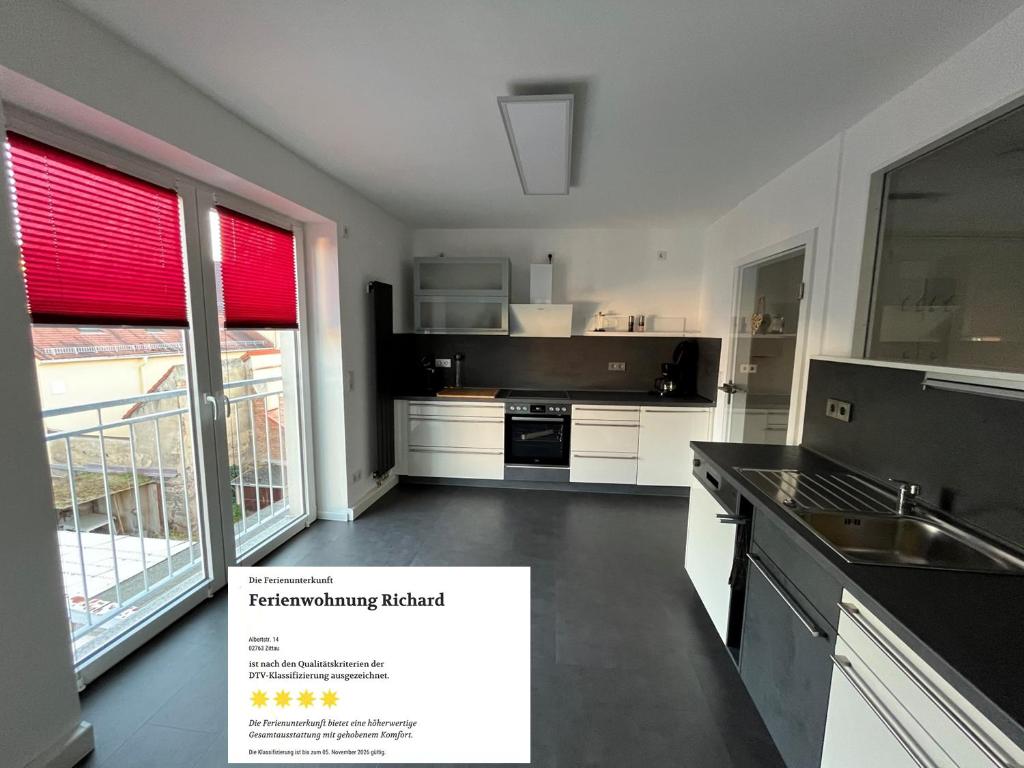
(540, 317)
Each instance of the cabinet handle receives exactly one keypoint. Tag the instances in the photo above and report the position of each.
(471, 451)
(626, 424)
(606, 410)
(625, 456)
(916, 754)
(990, 752)
(460, 419)
(809, 625)
(731, 520)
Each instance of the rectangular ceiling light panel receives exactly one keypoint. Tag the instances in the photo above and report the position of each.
(540, 131)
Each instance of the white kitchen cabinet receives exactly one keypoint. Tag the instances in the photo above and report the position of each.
(470, 463)
(763, 425)
(664, 456)
(710, 545)
(930, 717)
(451, 439)
(604, 441)
(857, 733)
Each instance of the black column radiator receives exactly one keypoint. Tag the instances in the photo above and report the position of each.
(383, 362)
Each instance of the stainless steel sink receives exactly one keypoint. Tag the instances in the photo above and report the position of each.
(858, 520)
(907, 540)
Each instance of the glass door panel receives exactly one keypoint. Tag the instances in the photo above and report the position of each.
(260, 373)
(766, 327)
(130, 520)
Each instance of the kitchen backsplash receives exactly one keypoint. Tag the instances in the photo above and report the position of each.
(577, 362)
(966, 451)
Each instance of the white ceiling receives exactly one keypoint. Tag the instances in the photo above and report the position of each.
(683, 106)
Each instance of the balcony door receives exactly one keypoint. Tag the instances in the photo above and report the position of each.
(175, 438)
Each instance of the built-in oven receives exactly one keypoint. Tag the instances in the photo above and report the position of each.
(537, 437)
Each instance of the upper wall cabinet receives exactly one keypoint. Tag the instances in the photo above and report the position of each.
(461, 295)
(445, 276)
(949, 270)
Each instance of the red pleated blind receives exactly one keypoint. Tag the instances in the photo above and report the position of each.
(257, 272)
(98, 247)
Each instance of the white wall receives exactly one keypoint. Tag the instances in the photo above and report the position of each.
(40, 718)
(826, 193)
(56, 61)
(610, 270)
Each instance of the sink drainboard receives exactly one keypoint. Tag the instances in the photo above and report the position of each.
(835, 491)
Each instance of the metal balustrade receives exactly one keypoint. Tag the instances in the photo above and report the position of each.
(125, 493)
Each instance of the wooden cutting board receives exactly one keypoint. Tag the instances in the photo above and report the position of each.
(468, 392)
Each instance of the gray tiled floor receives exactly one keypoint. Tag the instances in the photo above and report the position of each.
(627, 669)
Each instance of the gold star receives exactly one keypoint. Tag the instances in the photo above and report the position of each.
(283, 699)
(306, 699)
(330, 698)
(259, 698)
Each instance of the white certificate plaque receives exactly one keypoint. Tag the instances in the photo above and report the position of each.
(379, 665)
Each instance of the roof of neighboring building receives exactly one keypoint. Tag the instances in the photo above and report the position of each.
(66, 342)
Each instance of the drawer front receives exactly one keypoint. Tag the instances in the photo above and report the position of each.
(455, 462)
(868, 726)
(460, 410)
(606, 413)
(957, 726)
(602, 468)
(605, 438)
(814, 583)
(455, 432)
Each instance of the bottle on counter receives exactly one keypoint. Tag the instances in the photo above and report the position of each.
(630, 328)
(641, 323)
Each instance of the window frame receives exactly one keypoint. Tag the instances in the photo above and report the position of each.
(218, 539)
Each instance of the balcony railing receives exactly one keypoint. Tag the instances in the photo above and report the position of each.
(125, 494)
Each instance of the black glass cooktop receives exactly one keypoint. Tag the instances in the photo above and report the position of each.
(535, 394)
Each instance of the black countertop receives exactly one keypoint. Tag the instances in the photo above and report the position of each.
(585, 397)
(968, 626)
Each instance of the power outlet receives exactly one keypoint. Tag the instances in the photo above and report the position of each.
(748, 367)
(840, 410)
(442, 362)
(616, 366)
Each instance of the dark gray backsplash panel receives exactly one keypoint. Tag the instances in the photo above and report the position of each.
(578, 362)
(966, 451)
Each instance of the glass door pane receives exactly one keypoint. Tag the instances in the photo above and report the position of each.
(260, 372)
(764, 342)
(129, 513)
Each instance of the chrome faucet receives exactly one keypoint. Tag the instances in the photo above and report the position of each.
(908, 495)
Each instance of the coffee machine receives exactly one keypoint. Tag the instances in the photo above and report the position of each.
(679, 377)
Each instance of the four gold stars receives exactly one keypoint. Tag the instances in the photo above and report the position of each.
(304, 699)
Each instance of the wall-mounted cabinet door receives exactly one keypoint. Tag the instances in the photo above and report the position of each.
(445, 276)
(461, 314)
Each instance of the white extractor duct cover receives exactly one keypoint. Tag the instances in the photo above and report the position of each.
(540, 132)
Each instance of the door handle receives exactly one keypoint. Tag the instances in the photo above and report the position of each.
(211, 400)
(214, 402)
(730, 389)
(809, 625)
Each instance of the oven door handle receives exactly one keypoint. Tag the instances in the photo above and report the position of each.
(552, 419)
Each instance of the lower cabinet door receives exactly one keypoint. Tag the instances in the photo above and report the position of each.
(785, 663)
(710, 545)
(455, 462)
(617, 469)
(866, 727)
(665, 454)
